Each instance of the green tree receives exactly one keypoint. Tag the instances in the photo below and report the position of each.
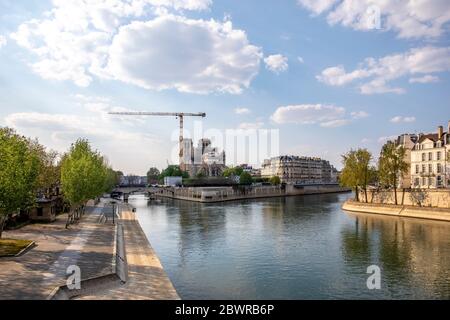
(392, 166)
(153, 174)
(233, 171)
(85, 175)
(245, 178)
(275, 180)
(173, 171)
(19, 171)
(357, 172)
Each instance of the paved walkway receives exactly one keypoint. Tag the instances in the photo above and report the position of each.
(88, 244)
(147, 279)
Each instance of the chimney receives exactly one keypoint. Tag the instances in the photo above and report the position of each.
(440, 132)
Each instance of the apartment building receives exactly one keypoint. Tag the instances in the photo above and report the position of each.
(407, 141)
(300, 170)
(430, 167)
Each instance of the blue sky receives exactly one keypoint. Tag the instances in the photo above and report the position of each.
(318, 71)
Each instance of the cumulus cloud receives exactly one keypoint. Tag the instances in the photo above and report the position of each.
(276, 63)
(242, 111)
(400, 119)
(308, 114)
(375, 74)
(359, 114)
(327, 116)
(115, 39)
(191, 56)
(425, 79)
(408, 18)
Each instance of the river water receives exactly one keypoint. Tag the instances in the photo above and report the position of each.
(302, 247)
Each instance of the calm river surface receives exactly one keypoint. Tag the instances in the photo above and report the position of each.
(294, 248)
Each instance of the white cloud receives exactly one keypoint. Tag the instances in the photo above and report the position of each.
(117, 137)
(425, 79)
(300, 59)
(377, 73)
(115, 39)
(317, 6)
(308, 114)
(251, 125)
(400, 119)
(276, 63)
(335, 123)
(3, 41)
(242, 111)
(408, 18)
(359, 114)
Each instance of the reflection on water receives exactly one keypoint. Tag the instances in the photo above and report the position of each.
(294, 248)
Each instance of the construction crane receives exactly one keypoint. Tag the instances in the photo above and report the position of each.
(179, 115)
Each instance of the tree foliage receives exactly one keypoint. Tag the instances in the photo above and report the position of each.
(19, 172)
(153, 174)
(85, 175)
(357, 172)
(275, 180)
(173, 171)
(392, 166)
(245, 178)
(233, 171)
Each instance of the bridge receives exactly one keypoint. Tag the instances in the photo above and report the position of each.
(127, 191)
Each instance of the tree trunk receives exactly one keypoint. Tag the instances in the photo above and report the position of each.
(365, 194)
(356, 194)
(2, 224)
(395, 195)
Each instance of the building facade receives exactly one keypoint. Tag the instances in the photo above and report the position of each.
(407, 141)
(300, 170)
(204, 159)
(430, 167)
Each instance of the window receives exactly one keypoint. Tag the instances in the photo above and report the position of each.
(430, 156)
(417, 182)
(423, 157)
(438, 156)
(430, 181)
(439, 168)
(439, 181)
(424, 181)
(40, 211)
(417, 168)
(423, 169)
(430, 168)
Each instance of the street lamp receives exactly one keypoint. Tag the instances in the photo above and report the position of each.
(113, 210)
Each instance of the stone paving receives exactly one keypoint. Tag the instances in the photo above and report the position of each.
(89, 245)
(34, 275)
(147, 279)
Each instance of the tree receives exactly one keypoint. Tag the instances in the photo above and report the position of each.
(275, 180)
(357, 171)
(392, 165)
(85, 175)
(153, 174)
(245, 178)
(233, 171)
(19, 170)
(173, 171)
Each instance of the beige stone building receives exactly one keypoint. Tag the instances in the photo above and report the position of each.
(430, 167)
(407, 141)
(300, 170)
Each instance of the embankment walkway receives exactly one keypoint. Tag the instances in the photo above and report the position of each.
(106, 255)
(441, 214)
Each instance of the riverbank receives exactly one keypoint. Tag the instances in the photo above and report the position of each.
(115, 261)
(440, 214)
(226, 194)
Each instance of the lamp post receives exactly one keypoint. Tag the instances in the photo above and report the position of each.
(113, 203)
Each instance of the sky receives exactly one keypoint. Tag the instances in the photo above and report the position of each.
(329, 75)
